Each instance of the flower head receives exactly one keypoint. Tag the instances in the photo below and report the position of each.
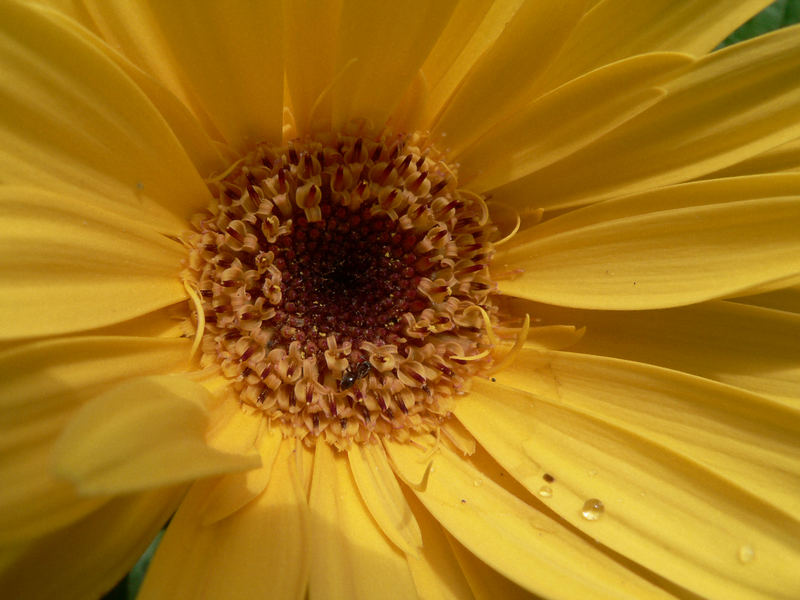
(427, 299)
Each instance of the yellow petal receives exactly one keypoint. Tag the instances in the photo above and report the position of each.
(496, 85)
(86, 559)
(381, 492)
(731, 105)
(518, 540)
(671, 257)
(228, 57)
(152, 433)
(346, 544)
(750, 347)
(310, 39)
(617, 29)
(474, 26)
(73, 119)
(370, 84)
(84, 267)
(565, 120)
(436, 572)
(43, 385)
(662, 506)
(415, 464)
(232, 492)
(785, 157)
(787, 299)
(747, 439)
(485, 583)
(260, 551)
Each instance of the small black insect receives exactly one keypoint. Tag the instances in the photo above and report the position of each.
(351, 375)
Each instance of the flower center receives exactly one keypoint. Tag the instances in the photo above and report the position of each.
(344, 285)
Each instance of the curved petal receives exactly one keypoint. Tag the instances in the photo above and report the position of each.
(73, 119)
(787, 299)
(617, 29)
(731, 105)
(233, 491)
(225, 62)
(485, 583)
(346, 543)
(43, 385)
(495, 524)
(381, 492)
(565, 120)
(785, 157)
(436, 572)
(754, 348)
(370, 84)
(86, 267)
(669, 513)
(86, 559)
(472, 29)
(152, 432)
(671, 257)
(260, 551)
(496, 85)
(745, 438)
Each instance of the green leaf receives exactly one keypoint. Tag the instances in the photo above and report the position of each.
(136, 576)
(778, 14)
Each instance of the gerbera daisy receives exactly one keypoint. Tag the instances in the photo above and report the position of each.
(415, 299)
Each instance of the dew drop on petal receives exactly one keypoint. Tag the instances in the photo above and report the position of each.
(593, 509)
(545, 491)
(746, 554)
(478, 482)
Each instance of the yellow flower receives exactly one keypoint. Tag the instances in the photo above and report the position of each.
(640, 439)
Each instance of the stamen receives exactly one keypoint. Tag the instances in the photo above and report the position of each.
(200, 315)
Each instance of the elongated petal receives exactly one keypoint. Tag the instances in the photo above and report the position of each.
(668, 512)
(616, 29)
(86, 559)
(144, 433)
(370, 84)
(381, 492)
(311, 29)
(496, 85)
(485, 583)
(754, 348)
(415, 465)
(436, 572)
(83, 267)
(472, 28)
(496, 525)
(228, 57)
(731, 105)
(73, 119)
(44, 384)
(785, 157)
(565, 120)
(748, 439)
(787, 299)
(346, 542)
(233, 491)
(260, 551)
(672, 257)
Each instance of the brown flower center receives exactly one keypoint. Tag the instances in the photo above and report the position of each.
(344, 285)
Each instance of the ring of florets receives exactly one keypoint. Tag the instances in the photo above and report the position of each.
(344, 285)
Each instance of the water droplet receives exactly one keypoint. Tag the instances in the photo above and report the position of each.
(592, 472)
(545, 491)
(746, 554)
(477, 482)
(593, 509)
